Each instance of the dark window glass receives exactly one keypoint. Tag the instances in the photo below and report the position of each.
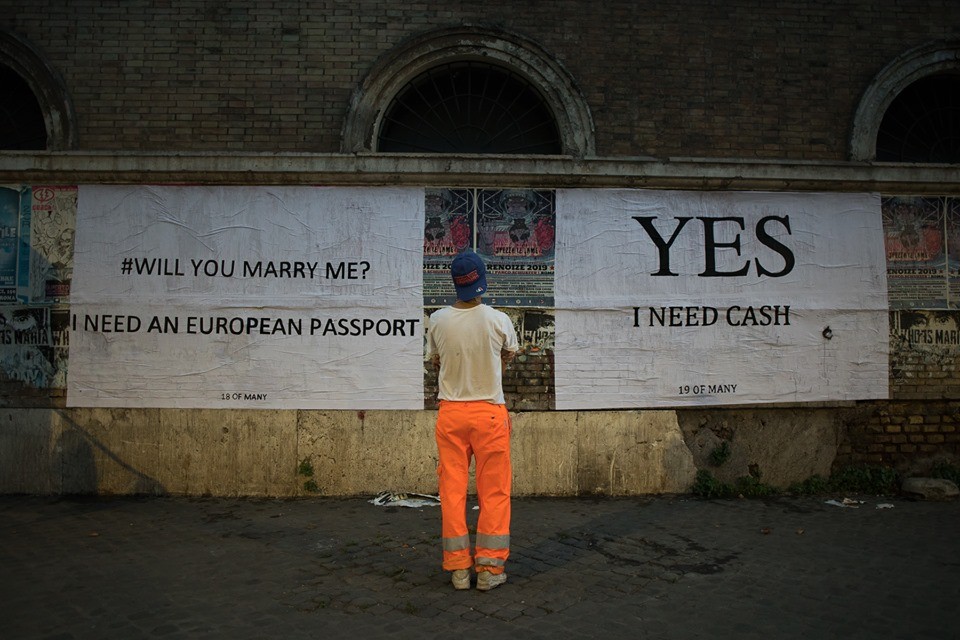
(923, 123)
(469, 107)
(21, 119)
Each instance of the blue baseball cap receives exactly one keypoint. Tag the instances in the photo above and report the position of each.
(469, 276)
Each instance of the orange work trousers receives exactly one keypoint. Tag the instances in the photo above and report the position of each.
(480, 430)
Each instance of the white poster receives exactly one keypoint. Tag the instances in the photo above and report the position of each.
(670, 298)
(247, 297)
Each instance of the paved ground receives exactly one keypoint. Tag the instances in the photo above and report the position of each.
(667, 567)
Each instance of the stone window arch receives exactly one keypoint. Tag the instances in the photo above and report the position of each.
(468, 107)
(35, 99)
(905, 79)
(461, 48)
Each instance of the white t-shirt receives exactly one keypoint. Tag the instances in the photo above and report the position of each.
(469, 342)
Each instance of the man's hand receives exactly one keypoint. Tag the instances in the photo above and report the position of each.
(436, 361)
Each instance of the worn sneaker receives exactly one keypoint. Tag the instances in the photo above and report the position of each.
(487, 580)
(461, 579)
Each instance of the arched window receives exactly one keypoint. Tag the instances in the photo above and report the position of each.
(468, 90)
(922, 124)
(35, 110)
(21, 119)
(469, 107)
(911, 110)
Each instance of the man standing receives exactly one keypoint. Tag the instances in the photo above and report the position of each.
(471, 344)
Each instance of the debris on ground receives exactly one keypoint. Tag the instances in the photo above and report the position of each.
(847, 502)
(415, 500)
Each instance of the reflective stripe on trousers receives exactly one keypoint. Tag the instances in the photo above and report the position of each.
(480, 430)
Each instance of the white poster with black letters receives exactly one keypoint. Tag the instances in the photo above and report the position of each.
(671, 298)
(247, 297)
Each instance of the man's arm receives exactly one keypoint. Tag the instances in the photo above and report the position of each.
(506, 357)
(510, 345)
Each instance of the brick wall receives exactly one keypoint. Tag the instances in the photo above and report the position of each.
(924, 355)
(921, 421)
(739, 79)
(904, 434)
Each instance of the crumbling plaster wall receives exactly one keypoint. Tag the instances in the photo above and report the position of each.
(779, 446)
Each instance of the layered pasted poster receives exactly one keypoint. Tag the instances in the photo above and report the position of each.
(513, 230)
(671, 298)
(922, 242)
(312, 297)
(285, 297)
(36, 260)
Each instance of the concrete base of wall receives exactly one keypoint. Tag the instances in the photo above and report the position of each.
(345, 453)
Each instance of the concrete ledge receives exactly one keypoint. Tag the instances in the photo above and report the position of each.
(147, 451)
(344, 453)
(366, 452)
(476, 170)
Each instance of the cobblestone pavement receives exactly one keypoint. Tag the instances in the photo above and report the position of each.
(665, 567)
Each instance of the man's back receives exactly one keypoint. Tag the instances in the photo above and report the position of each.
(469, 342)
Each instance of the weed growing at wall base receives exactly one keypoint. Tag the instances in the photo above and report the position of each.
(706, 485)
(305, 469)
(947, 472)
(867, 479)
(863, 479)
